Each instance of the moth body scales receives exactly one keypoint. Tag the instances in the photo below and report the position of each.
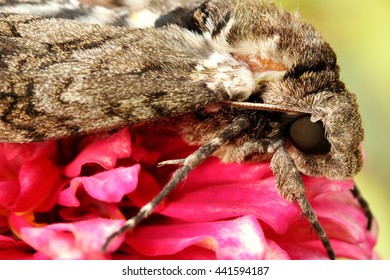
(244, 80)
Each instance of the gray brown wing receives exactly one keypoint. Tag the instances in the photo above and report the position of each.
(61, 77)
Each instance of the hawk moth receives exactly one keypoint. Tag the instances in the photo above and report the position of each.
(245, 80)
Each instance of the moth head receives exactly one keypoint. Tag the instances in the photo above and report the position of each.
(327, 142)
(325, 135)
(322, 131)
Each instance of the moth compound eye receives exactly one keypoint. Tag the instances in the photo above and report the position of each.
(309, 137)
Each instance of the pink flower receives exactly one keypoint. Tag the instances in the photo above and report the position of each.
(62, 199)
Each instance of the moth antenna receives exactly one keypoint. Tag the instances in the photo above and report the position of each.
(364, 205)
(190, 162)
(267, 107)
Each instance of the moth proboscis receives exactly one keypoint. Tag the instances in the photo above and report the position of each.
(265, 83)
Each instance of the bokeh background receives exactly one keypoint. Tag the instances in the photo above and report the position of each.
(359, 32)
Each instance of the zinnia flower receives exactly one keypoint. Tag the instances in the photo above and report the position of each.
(62, 199)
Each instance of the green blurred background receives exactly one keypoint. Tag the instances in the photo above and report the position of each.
(359, 32)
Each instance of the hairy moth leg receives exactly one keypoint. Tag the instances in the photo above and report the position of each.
(190, 162)
(291, 187)
(172, 162)
(364, 205)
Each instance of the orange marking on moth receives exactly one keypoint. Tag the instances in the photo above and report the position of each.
(258, 64)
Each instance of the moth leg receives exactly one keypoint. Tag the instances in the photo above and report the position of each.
(290, 186)
(308, 211)
(190, 163)
(180, 161)
(363, 203)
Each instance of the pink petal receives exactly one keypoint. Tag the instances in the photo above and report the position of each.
(15, 255)
(3, 223)
(39, 179)
(68, 197)
(345, 225)
(222, 198)
(275, 252)
(190, 253)
(149, 149)
(80, 240)
(17, 154)
(7, 242)
(304, 250)
(315, 186)
(12, 249)
(214, 172)
(109, 186)
(104, 151)
(146, 190)
(348, 221)
(352, 251)
(9, 190)
(236, 239)
(313, 250)
(90, 208)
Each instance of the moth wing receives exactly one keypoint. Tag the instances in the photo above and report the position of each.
(64, 77)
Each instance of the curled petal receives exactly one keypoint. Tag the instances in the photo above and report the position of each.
(108, 186)
(105, 152)
(79, 240)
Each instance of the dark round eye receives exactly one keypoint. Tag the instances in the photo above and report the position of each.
(309, 137)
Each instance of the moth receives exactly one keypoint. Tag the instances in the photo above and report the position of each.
(244, 80)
